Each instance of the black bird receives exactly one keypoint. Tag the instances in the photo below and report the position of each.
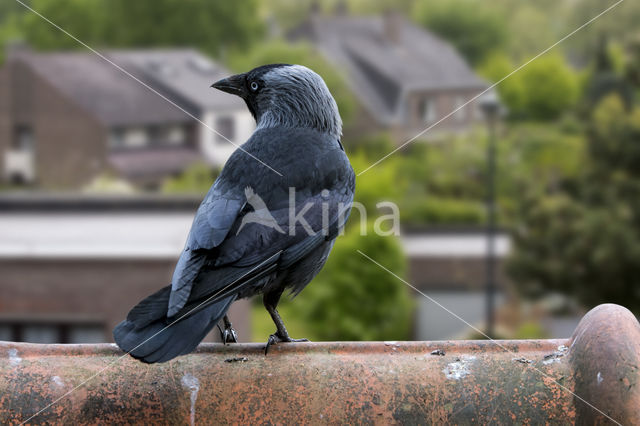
(296, 208)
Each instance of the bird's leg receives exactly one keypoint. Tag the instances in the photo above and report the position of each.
(270, 301)
(228, 335)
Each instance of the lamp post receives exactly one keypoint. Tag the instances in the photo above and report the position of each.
(490, 107)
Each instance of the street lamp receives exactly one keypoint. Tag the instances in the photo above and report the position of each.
(492, 110)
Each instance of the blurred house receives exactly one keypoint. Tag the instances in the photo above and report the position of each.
(67, 117)
(72, 266)
(449, 266)
(404, 77)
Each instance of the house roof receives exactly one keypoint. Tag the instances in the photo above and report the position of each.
(185, 72)
(152, 225)
(118, 100)
(381, 69)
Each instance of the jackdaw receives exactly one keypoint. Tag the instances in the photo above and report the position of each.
(260, 229)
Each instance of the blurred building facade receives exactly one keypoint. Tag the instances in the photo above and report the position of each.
(449, 266)
(68, 117)
(404, 77)
(73, 266)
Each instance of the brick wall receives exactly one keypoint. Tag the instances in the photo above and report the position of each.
(444, 102)
(70, 144)
(453, 273)
(102, 290)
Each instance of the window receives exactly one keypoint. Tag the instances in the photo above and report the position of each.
(41, 333)
(165, 135)
(136, 137)
(131, 137)
(176, 135)
(427, 110)
(6, 332)
(225, 126)
(23, 139)
(51, 332)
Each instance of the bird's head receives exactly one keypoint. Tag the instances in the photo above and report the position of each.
(286, 95)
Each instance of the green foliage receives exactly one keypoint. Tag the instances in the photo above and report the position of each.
(446, 181)
(302, 54)
(584, 239)
(605, 76)
(10, 13)
(439, 210)
(615, 141)
(209, 26)
(354, 299)
(619, 24)
(550, 87)
(472, 27)
(542, 155)
(531, 29)
(451, 168)
(511, 90)
(530, 330)
(373, 147)
(383, 184)
(197, 179)
(109, 183)
(632, 61)
(544, 89)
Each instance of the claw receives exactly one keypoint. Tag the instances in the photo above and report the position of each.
(229, 335)
(275, 338)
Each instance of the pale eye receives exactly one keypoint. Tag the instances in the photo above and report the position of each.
(254, 86)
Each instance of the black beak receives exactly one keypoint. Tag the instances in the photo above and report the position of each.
(234, 85)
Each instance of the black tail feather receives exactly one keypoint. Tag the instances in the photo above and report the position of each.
(149, 336)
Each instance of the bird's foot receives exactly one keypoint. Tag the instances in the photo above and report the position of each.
(228, 334)
(276, 338)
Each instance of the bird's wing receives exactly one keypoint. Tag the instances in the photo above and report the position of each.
(238, 255)
(211, 224)
(255, 253)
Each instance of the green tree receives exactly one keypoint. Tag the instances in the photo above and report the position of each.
(354, 299)
(209, 26)
(279, 51)
(530, 29)
(632, 61)
(606, 76)
(619, 24)
(10, 14)
(197, 179)
(476, 30)
(511, 90)
(549, 88)
(383, 184)
(584, 239)
(543, 90)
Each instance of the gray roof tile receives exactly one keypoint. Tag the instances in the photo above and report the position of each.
(182, 75)
(380, 70)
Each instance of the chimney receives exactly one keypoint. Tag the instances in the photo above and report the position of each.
(392, 25)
